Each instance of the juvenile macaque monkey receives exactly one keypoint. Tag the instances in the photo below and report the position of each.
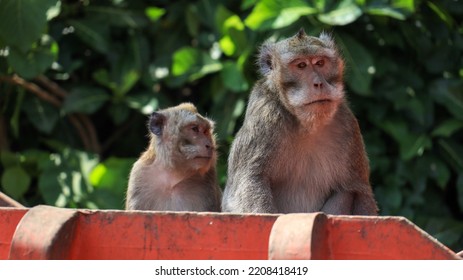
(178, 170)
(300, 147)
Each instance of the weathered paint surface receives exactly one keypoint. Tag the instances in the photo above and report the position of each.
(323, 236)
(161, 235)
(9, 219)
(45, 232)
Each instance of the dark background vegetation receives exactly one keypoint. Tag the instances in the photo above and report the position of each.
(79, 78)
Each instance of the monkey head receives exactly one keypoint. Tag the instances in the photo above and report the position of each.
(183, 138)
(307, 74)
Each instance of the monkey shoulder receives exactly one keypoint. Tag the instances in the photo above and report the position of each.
(265, 114)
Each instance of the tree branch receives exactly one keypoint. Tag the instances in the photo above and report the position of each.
(31, 87)
(81, 122)
(52, 87)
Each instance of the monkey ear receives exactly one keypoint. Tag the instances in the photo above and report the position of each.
(265, 58)
(327, 39)
(301, 33)
(211, 123)
(156, 123)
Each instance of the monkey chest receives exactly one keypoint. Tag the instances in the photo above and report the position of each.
(191, 198)
(303, 181)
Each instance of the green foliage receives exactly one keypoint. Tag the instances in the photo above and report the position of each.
(78, 79)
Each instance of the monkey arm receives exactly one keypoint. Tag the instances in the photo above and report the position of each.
(248, 195)
(248, 187)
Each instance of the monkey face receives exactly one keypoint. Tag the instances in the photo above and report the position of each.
(196, 144)
(310, 85)
(183, 138)
(306, 72)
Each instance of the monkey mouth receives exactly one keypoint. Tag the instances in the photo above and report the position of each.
(319, 101)
(203, 157)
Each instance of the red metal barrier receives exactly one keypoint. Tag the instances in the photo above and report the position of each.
(320, 236)
(9, 219)
(54, 233)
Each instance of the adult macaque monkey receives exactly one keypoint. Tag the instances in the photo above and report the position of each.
(178, 170)
(300, 147)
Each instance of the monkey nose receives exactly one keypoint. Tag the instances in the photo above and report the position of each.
(318, 85)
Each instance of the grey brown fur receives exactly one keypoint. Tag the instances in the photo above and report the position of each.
(300, 147)
(178, 170)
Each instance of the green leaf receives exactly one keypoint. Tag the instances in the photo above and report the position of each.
(289, 15)
(85, 100)
(9, 159)
(102, 77)
(112, 174)
(386, 11)
(414, 148)
(246, 4)
(129, 79)
(440, 172)
(126, 67)
(64, 181)
(116, 16)
(441, 13)
(50, 188)
(449, 93)
(345, 12)
(35, 61)
(184, 60)
(407, 5)
(277, 13)
(398, 9)
(23, 21)
(93, 33)
(221, 16)
(447, 128)
(360, 64)
(454, 153)
(15, 181)
(227, 45)
(123, 81)
(42, 114)
(145, 102)
(410, 144)
(119, 112)
(233, 78)
(234, 40)
(154, 13)
(208, 66)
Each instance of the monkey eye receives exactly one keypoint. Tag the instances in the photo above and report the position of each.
(301, 65)
(319, 62)
(195, 128)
